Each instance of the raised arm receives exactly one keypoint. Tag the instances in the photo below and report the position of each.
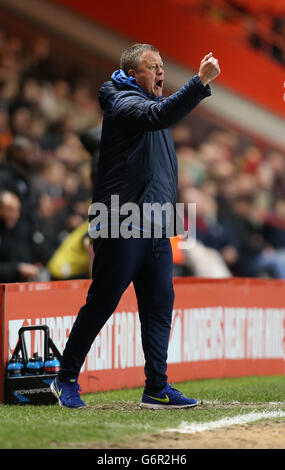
(134, 112)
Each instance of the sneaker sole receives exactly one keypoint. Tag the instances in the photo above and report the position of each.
(54, 392)
(153, 406)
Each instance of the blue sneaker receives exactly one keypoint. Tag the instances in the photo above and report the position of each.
(67, 393)
(168, 398)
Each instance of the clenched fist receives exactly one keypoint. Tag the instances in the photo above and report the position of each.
(209, 69)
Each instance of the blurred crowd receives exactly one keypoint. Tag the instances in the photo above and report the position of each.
(46, 181)
(239, 191)
(45, 172)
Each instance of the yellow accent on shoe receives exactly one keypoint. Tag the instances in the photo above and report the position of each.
(58, 391)
(163, 400)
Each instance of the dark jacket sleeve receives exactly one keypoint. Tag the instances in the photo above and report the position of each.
(138, 113)
(9, 271)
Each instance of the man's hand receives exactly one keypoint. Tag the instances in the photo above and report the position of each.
(209, 69)
(29, 271)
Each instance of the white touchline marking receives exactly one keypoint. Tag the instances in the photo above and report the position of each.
(235, 402)
(190, 428)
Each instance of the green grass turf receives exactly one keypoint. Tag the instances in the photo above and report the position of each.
(113, 416)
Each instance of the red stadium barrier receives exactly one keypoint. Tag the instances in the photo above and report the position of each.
(221, 328)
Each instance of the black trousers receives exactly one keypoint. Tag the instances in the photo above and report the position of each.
(147, 262)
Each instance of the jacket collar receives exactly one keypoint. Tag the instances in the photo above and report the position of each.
(120, 79)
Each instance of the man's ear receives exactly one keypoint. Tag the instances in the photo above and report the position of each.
(131, 73)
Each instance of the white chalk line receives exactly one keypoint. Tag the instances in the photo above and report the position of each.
(190, 428)
(241, 403)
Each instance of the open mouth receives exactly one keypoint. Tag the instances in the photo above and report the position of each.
(159, 83)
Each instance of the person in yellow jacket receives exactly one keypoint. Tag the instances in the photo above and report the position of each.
(72, 259)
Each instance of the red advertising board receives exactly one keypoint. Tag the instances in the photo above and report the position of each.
(220, 328)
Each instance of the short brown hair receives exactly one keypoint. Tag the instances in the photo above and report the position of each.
(131, 56)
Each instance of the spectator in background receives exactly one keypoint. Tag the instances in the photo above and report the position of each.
(22, 159)
(16, 254)
(276, 161)
(86, 112)
(73, 258)
(10, 73)
(20, 116)
(39, 63)
(56, 102)
(256, 257)
(209, 257)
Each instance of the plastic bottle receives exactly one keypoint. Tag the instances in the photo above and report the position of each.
(15, 367)
(52, 364)
(35, 365)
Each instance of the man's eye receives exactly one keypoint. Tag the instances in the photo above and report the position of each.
(155, 67)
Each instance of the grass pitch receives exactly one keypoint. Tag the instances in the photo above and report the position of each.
(114, 418)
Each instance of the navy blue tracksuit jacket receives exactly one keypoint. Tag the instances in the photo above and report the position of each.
(137, 156)
(138, 163)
